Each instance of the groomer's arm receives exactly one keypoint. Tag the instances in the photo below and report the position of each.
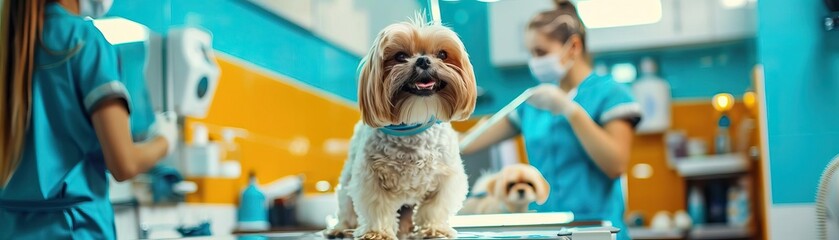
(609, 146)
(124, 158)
(498, 132)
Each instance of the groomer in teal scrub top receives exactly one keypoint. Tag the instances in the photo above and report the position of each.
(64, 123)
(577, 127)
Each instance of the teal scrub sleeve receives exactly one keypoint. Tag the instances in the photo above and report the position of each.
(619, 104)
(97, 71)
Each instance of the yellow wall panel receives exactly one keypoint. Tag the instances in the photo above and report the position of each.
(665, 190)
(277, 113)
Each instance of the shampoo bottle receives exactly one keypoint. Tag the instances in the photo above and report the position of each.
(696, 205)
(653, 94)
(253, 209)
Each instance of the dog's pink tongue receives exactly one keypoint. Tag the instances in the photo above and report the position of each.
(426, 85)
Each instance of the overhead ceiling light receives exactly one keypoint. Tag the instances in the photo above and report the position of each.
(619, 13)
(121, 30)
(733, 4)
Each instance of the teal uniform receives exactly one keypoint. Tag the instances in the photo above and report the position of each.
(60, 188)
(577, 183)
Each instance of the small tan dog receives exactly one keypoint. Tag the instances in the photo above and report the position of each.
(508, 191)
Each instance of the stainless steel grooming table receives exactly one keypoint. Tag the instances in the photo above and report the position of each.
(495, 226)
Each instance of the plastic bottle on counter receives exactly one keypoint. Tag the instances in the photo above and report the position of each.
(696, 205)
(739, 212)
(653, 94)
(722, 142)
(253, 209)
(201, 156)
(231, 166)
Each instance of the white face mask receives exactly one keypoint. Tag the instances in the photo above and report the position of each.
(547, 69)
(94, 8)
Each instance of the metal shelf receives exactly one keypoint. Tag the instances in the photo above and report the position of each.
(720, 231)
(712, 165)
(701, 232)
(648, 233)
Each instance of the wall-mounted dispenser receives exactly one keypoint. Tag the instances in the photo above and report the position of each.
(190, 71)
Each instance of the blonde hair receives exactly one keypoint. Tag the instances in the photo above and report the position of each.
(21, 24)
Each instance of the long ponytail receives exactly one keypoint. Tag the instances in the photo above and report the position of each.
(20, 26)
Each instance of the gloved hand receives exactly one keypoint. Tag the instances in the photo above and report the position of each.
(550, 98)
(166, 126)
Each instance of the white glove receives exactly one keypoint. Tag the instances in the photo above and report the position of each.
(166, 126)
(550, 98)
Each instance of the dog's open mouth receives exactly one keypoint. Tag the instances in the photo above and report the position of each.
(426, 86)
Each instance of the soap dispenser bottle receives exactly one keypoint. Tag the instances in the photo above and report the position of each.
(722, 142)
(696, 205)
(653, 94)
(253, 209)
(230, 166)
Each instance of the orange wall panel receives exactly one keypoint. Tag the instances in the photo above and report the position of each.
(275, 112)
(665, 190)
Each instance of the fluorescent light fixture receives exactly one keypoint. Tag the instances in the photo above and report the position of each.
(619, 13)
(121, 30)
(512, 219)
(733, 4)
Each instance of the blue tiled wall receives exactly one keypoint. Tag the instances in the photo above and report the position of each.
(801, 63)
(248, 32)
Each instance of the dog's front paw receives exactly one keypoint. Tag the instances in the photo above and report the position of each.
(339, 233)
(437, 232)
(373, 235)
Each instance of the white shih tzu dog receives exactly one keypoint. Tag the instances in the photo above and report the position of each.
(404, 173)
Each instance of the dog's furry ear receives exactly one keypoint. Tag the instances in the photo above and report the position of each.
(466, 104)
(373, 99)
(543, 189)
(497, 188)
(490, 185)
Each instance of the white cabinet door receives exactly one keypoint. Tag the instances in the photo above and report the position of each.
(507, 22)
(683, 22)
(694, 23)
(734, 19)
(352, 25)
(638, 36)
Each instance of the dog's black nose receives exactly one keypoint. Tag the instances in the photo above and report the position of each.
(521, 193)
(423, 62)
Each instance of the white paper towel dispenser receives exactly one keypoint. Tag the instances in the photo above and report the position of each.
(191, 70)
(185, 59)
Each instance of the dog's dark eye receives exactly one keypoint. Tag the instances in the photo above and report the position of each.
(442, 55)
(511, 185)
(530, 184)
(401, 57)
